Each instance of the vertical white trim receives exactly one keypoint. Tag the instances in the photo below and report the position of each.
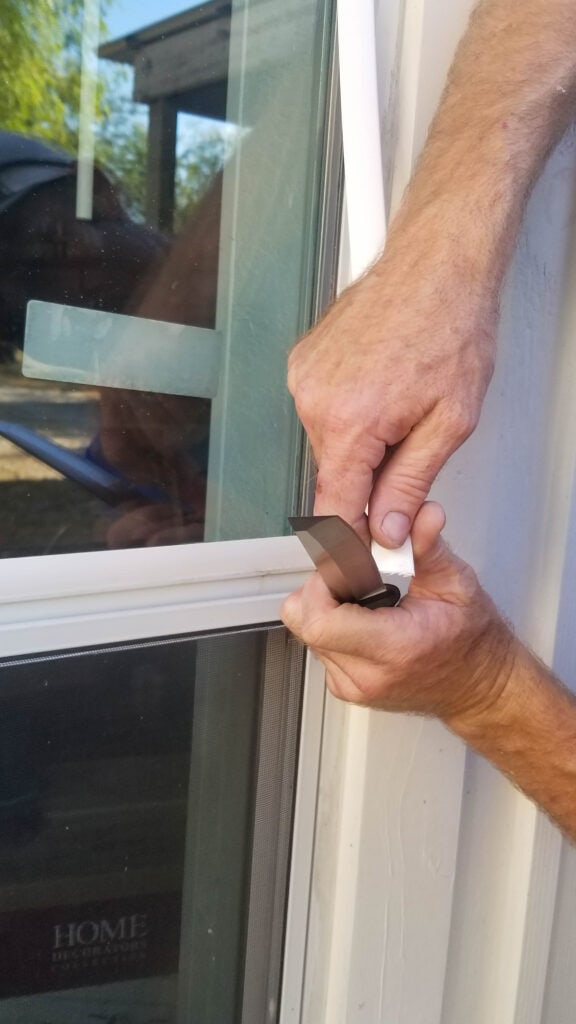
(361, 132)
(366, 235)
(347, 854)
(410, 45)
(88, 83)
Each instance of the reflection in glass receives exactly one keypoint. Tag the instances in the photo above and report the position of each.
(129, 795)
(154, 163)
(158, 168)
(94, 772)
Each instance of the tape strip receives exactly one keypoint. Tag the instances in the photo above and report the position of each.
(396, 562)
(86, 346)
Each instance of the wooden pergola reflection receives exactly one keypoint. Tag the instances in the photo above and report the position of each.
(180, 66)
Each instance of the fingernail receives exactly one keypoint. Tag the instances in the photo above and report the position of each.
(396, 527)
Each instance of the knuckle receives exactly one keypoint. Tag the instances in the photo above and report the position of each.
(295, 375)
(395, 429)
(397, 419)
(301, 388)
(292, 379)
(460, 419)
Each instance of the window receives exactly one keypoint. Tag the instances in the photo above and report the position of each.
(165, 229)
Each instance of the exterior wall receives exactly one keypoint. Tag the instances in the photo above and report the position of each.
(438, 892)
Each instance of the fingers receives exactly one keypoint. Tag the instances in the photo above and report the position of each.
(344, 493)
(345, 479)
(342, 430)
(306, 612)
(406, 479)
(440, 574)
(428, 525)
(435, 564)
(312, 602)
(319, 621)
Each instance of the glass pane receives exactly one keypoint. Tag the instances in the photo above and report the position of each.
(135, 798)
(159, 169)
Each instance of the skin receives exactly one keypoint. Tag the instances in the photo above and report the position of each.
(392, 380)
(147, 436)
(445, 651)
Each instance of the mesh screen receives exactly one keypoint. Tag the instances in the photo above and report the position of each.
(145, 813)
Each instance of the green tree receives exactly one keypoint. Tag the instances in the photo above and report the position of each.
(40, 78)
(203, 154)
(40, 68)
(121, 149)
(28, 53)
(121, 138)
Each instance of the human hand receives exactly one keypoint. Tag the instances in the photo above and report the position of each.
(443, 651)
(402, 359)
(149, 439)
(139, 525)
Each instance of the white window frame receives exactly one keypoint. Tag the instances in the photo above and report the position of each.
(75, 600)
(86, 600)
(68, 602)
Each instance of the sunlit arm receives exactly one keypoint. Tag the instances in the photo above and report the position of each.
(447, 652)
(405, 356)
(530, 735)
(510, 95)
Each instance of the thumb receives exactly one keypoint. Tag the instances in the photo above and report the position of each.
(430, 551)
(405, 480)
(439, 572)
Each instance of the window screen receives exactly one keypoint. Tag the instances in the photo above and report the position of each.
(145, 810)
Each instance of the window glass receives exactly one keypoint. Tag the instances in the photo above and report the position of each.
(132, 787)
(158, 188)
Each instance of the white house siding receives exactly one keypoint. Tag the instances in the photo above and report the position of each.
(437, 896)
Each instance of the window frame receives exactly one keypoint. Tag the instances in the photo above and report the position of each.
(104, 597)
(74, 601)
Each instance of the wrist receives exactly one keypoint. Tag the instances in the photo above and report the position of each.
(529, 733)
(458, 233)
(493, 685)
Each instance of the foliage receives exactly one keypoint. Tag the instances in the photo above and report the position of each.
(40, 75)
(121, 149)
(40, 68)
(200, 158)
(121, 139)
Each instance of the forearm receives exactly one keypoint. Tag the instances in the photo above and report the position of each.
(529, 733)
(510, 95)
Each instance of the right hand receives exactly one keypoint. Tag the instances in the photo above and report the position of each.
(444, 651)
(402, 360)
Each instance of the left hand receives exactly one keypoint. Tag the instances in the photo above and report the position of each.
(443, 651)
(147, 438)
